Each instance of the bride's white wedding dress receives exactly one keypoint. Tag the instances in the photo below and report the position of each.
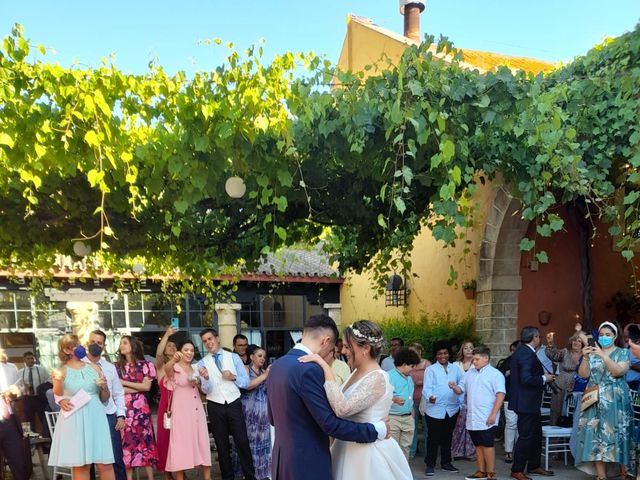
(366, 401)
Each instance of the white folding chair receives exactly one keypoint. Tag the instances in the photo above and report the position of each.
(555, 440)
(52, 419)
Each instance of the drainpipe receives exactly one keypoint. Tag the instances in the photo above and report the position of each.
(411, 10)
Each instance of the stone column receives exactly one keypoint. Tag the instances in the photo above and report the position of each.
(84, 318)
(334, 310)
(227, 323)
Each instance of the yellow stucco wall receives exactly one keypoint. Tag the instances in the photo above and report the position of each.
(431, 261)
(367, 44)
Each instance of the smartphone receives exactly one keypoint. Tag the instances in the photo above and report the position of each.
(175, 323)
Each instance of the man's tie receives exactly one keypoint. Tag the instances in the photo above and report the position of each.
(32, 390)
(216, 357)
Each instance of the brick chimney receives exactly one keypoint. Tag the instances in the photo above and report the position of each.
(411, 10)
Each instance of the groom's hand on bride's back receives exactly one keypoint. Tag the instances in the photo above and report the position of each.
(387, 423)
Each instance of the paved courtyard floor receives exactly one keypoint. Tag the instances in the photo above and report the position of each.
(466, 467)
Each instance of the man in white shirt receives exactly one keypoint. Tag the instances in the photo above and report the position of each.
(485, 390)
(11, 444)
(442, 389)
(115, 408)
(227, 376)
(31, 377)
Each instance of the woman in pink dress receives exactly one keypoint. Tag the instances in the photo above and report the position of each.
(166, 349)
(138, 439)
(189, 439)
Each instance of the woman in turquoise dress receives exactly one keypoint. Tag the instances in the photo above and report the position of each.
(605, 440)
(82, 438)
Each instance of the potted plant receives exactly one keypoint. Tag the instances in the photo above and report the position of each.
(469, 289)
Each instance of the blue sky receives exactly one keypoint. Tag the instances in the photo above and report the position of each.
(137, 31)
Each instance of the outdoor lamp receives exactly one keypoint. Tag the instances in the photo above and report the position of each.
(235, 187)
(395, 292)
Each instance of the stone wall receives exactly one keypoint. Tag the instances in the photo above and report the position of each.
(499, 281)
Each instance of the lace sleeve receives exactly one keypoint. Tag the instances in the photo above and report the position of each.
(366, 393)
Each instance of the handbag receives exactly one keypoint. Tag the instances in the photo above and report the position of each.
(589, 397)
(166, 417)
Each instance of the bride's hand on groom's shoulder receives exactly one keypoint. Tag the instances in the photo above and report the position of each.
(311, 358)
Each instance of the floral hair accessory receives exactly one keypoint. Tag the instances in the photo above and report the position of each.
(361, 336)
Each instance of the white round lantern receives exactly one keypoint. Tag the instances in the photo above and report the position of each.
(235, 187)
(81, 249)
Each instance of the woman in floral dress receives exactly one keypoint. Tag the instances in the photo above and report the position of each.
(605, 442)
(138, 440)
(462, 446)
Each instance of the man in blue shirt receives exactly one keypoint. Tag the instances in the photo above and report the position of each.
(401, 411)
(442, 390)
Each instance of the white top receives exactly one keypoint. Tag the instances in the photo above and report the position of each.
(222, 391)
(39, 374)
(481, 387)
(8, 377)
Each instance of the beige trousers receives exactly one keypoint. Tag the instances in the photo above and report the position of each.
(402, 428)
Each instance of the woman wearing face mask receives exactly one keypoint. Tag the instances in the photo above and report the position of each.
(605, 444)
(138, 439)
(189, 439)
(79, 439)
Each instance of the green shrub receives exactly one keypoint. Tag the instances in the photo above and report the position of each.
(430, 328)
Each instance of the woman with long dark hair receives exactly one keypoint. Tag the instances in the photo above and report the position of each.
(164, 352)
(189, 438)
(138, 439)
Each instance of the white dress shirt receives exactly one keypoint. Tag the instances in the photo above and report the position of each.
(39, 374)
(481, 387)
(115, 404)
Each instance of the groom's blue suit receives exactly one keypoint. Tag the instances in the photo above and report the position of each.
(304, 421)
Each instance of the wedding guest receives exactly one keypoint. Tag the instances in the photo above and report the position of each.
(528, 380)
(189, 438)
(396, 344)
(114, 408)
(441, 389)
(567, 359)
(605, 442)
(401, 411)
(510, 417)
(254, 406)
(227, 376)
(240, 344)
(485, 391)
(338, 351)
(462, 446)
(79, 439)
(138, 439)
(164, 352)
(417, 375)
(633, 375)
(340, 369)
(11, 446)
(31, 377)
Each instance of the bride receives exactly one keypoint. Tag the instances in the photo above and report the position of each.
(364, 397)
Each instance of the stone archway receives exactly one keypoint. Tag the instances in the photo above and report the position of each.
(499, 281)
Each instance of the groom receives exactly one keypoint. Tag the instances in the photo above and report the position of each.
(300, 411)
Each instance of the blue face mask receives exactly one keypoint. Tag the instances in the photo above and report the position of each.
(605, 341)
(80, 352)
